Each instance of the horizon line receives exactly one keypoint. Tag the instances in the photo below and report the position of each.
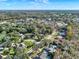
(43, 9)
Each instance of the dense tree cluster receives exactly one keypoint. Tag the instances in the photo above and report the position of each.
(24, 35)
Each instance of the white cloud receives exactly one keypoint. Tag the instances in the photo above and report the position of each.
(41, 1)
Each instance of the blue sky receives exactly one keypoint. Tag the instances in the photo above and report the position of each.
(39, 4)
